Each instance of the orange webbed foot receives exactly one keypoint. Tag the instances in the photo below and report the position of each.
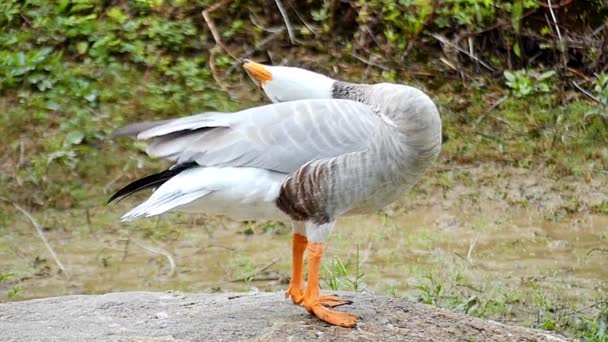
(296, 294)
(338, 318)
(332, 301)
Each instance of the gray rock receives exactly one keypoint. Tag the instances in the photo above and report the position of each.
(152, 316)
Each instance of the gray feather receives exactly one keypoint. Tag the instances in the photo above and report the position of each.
(280, 137)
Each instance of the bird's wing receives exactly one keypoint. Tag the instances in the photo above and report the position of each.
(279, 137)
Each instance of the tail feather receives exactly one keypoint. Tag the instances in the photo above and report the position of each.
(133, 130)
(148, 182)
(158, 205)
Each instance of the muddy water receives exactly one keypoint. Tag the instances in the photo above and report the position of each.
(511, 232)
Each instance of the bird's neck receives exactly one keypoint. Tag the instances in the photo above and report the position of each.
(350, 91)
(405, 108)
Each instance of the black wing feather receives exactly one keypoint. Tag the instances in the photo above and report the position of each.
(151, 181)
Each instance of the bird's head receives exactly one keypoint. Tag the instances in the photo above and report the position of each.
(281, 83)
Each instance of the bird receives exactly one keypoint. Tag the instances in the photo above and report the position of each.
(323, 149)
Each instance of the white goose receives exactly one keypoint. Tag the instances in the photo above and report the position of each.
(327, 149)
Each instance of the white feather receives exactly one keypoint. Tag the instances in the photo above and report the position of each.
(241, 193)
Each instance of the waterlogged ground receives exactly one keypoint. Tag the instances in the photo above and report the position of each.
(495, 241)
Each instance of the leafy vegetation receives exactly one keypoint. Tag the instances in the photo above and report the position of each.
(524, 83)
(13, 291)
(344, 276)
(499, 304)
(71, 71)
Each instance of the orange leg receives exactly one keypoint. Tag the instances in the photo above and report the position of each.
(313, 301)
(296, 284)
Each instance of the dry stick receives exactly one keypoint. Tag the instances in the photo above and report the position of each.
(588, 94)
(126, 249)
(251, 51)
(602, 250)
(21, 154)
(42, 237)
(308, 26)
(369, 62)
(214, 71)
(218, 41)
(600, 302)
(561, 4)
(256, 272)
(472, 56)
(562, 44)
(292, 37)
(470, 252)
(579, 73)
(262, 28)
(211, 25)
(489, 110)
(158, 250)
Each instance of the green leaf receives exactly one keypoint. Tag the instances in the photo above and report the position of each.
(74, 137)
(91, 97)
(4, 276)
(516, 49)
(545, 75)
(82, 47)
(51, 105)
(516, 13)
(116, 14)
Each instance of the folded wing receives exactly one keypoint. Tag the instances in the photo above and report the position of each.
(278, 137)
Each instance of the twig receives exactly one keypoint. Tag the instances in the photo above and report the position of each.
(600, 302)
(444, 40)
(507, 122)
(574, 71)
(491, 137)
(292, 37)
(308, 26)
(588, 94)
(218, 42)
(160, 251)
(256, 272)
(561, 4)
(21, 161)
(251, 51)
(471, 248)
(125, 251)
(562, 44)
(368, 62)
(214, 71)
(262, 28)
(27, 21)
(42, 237)
(448, 63)
(211, 25)
(602, 250)
(490, 109)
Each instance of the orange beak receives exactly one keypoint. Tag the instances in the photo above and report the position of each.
(257, 71)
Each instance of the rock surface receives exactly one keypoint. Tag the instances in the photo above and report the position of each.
(153, 316)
